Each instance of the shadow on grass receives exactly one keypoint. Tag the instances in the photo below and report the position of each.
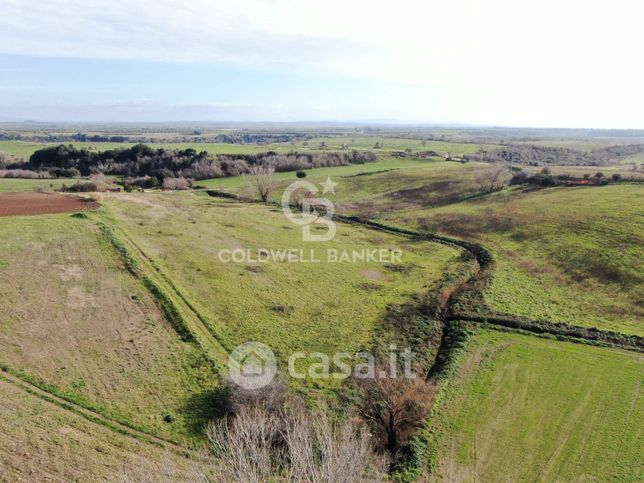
(203, 408)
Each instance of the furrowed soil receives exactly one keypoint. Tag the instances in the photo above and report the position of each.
(15, 204)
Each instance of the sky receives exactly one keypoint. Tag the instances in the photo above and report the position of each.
(564, 63)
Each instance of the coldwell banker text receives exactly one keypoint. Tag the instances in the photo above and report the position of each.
(299, 255)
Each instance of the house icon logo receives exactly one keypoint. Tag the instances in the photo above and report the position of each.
(252, 365)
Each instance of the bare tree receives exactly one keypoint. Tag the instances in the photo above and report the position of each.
(493, 178)
(296, 444)
(261, 179)
(395, 406)
(175, 184)
(244, 443)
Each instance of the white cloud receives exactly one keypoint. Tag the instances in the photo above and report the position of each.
(551, 62)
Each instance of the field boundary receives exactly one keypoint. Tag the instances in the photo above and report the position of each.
(186, 320)
(51, 395)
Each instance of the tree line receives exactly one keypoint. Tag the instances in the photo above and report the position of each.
(539, 155)
(156, 164)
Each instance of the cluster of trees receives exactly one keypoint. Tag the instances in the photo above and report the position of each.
(269, 435)
(546, 178)
(539, 155)
(98, 138)
(148, 166)
(261, 137)
(22, 173)
(61, 138)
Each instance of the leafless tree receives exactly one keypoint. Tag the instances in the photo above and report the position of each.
(493, 178)
(292, 443)
(244, 444)
(319, 450)
(175, 184)
(395, 407)
(261, 179)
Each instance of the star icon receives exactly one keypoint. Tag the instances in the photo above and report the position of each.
(329, 186)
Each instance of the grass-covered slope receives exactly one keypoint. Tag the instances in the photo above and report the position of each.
(522, 408)
(565, 254)
(72, 317)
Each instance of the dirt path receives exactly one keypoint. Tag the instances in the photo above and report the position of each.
(190, 319)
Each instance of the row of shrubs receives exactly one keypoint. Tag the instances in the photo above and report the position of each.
(128, 185)
(558, 329)
(546, 178)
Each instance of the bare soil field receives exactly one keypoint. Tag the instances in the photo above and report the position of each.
(15, 204)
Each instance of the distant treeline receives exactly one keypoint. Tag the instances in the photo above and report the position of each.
(540, 155)
(241, 137)
(157, 164)
(261, 137)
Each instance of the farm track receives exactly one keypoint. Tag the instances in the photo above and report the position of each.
(190, 321)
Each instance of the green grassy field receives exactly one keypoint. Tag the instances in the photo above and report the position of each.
(241, 185)
(527, 409)
(393, 144)
(324, 307)
(375, 188)
(24, 149)
(8, 185)
(71, 317)
(519, 408)
(565, 254)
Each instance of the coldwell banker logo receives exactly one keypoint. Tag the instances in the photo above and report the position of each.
(302, 193)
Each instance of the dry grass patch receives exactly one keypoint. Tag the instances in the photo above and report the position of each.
(72, 317)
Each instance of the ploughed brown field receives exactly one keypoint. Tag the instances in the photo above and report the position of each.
(14, 204)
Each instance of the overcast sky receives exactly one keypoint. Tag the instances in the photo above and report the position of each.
(564, 63)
